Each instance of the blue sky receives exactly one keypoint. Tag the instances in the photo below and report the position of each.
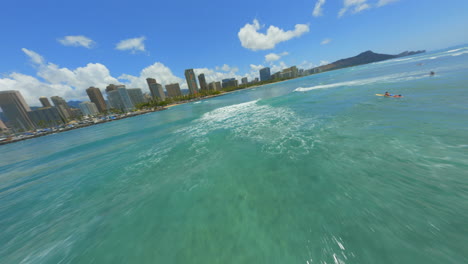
(63, 47)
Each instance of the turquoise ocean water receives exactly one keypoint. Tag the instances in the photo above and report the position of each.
(312, 170)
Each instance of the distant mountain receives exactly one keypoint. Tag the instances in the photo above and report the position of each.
(74, 104)
(364, 58)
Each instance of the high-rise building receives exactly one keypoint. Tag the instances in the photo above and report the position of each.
(16, 109)
(114, 100)
(244, 80)
(118, 98)
(44, 101)
(214, 86)
(290, 72)
(62, 107)
(202, 81)
(111, 87)
(173, 90)
(231, 82)
(136, 95)
(191, 81)
(46, 117)
(265, 74)
(156, 89)
(89, 108)
(96, 97)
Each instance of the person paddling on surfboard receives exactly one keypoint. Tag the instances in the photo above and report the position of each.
(387, 94)
(398, 95)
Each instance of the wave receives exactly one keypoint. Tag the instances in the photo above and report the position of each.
(383, 79)
(455, 50)
(276, 130)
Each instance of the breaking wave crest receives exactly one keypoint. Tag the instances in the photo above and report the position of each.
(277, 130)
(381, 79)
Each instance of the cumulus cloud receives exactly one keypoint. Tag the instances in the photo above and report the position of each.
(77, 41)
(324, 62)
(158, 71)
(306, 65)
(35, 58)
(133, 44)
(355, 6)
(325, 41)
(256, 67)
(219, 73)
(318, 10)
(251, 39)
(274, 57)
(53, 80)
(226, 68)
(385, 2)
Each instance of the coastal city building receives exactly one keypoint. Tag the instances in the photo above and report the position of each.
(214, 86)
(156, 89)
(290, 72)
(276, 76)
(265, 74)
(46, 117)
(191, 81)
(75, 113)
(111, 87)
(119, 99)
(231, 82)
(173, 90)
(202, 81)
(96, 97)
(89, 108)
(45, 101)
(244, 80)
(62, 107)
(15, 110)
(136, 96)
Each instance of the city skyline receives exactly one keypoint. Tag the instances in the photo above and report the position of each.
(76, 50)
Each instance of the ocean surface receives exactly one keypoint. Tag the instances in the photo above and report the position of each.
(312, 170)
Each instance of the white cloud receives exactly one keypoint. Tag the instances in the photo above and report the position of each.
(253, 40)
(35, 58)
(355, 6)
(274, 57)
(133, 44)
(158, 71)
(254, 67)
(226, 68)
(54, 80)
(77, 41)
(385, 2)
(219, 73)
(318, 10)
(325, 41)
(274, 68)
(306, 65)
(324, 62)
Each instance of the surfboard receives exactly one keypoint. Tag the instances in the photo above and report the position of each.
(380, 94)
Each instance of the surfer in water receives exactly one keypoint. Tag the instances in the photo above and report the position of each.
(432, 73)
(387, 94)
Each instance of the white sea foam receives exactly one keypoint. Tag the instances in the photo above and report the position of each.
(381, 79)
(454, 50)
(277, 130)
(406, 59)
(460, 53)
